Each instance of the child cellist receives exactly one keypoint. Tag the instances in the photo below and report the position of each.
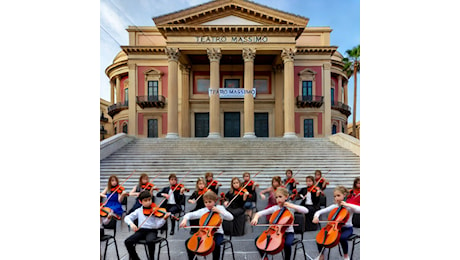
(210, 199)
(281, 195)
(340, 193)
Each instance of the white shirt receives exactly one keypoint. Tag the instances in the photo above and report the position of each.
(152, 223)
(171, 199)
(224, 214)
(351, 209)
(272, 209)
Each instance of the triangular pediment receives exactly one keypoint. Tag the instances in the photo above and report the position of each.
(233, 11)
(231, 20)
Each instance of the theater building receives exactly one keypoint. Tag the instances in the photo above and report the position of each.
(229, 68)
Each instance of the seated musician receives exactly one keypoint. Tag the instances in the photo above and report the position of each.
(174, 194)
(310, 199)
(235, 199)
(281, 195)
(210, 199)
(149, 228)
(340, 192)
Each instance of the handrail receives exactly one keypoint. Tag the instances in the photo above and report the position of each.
(159, 98)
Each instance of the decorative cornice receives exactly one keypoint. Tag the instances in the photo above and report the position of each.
(214, 54)
(143, 49)
(231, 30)
(249, 54)
(173, 54)
(288, 55)
(315, 50)
(185, 68)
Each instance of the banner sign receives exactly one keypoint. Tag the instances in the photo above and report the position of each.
(232, 92)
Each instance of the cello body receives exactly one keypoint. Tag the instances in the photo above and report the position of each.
(202, 242)
(329, 236)
(271, 240)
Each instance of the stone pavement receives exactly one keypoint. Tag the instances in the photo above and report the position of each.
(244, 247)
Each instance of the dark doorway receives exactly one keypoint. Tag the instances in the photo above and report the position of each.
(261, 124)
(201, 124)
(152, 128)
(232, 124)
(308, 128)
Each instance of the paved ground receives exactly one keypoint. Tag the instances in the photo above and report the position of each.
(244, 247)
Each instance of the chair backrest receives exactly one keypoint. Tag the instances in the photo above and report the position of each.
(299, 219)
(228, 228)
(112, 225)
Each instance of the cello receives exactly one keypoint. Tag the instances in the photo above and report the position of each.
(329, 236)
(202, 242)
(271, 241)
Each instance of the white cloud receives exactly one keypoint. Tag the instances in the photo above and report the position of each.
(113, 22)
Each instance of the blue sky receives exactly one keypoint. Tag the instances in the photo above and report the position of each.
(342, 16)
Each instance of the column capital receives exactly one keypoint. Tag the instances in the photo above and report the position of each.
(288, 54)
(249, 54)
(214, 54)
(278, 68)
(172, 53)
(327, 66)
(185, 68)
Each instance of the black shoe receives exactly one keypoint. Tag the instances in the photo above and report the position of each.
(172, 232)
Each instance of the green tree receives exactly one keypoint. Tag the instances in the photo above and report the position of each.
(352, 67)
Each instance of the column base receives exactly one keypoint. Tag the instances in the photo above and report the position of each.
(214, 135)
(290, 135)
(172, 135)
(250, 135)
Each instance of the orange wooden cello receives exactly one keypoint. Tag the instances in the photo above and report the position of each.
(329, 236)
(202, 242)
(271, 241)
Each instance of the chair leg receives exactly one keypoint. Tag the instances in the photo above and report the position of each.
(105, 250)
(146, 251)
(116, 248)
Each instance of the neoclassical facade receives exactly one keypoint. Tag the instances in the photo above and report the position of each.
(229, 68)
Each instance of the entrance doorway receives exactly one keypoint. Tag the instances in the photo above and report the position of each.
(261, 124)
(152, 128)
(201, 124)
(308, 128)
(231, 124)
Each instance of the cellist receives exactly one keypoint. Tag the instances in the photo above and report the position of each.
(340, 192)
(149, 230)
(210, 199)
(281, 196)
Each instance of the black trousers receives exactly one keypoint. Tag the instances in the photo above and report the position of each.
(173, 208)
(149, 235)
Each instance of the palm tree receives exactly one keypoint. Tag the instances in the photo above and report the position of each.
(352, 65)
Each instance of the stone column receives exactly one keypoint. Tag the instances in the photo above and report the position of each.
(345, 94)
(279, 89)
(248, 57)
(327, 125)
(112, 92)
(132, 104)
(339, 90)
(289, 100)
(214, 56)
(185, 105)
(117, 85)
(173, 57)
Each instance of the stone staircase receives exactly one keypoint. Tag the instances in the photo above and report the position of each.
(271, 156)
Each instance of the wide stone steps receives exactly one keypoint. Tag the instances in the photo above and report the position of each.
(233, 156)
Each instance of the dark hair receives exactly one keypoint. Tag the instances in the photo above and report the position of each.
(172, 176)
(144, 194)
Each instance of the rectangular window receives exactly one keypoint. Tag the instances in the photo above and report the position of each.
(232, 83)
(202, 85)
(126, 96)
(152, 90)
(261, 86)
(307, 91)
(332, 96)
